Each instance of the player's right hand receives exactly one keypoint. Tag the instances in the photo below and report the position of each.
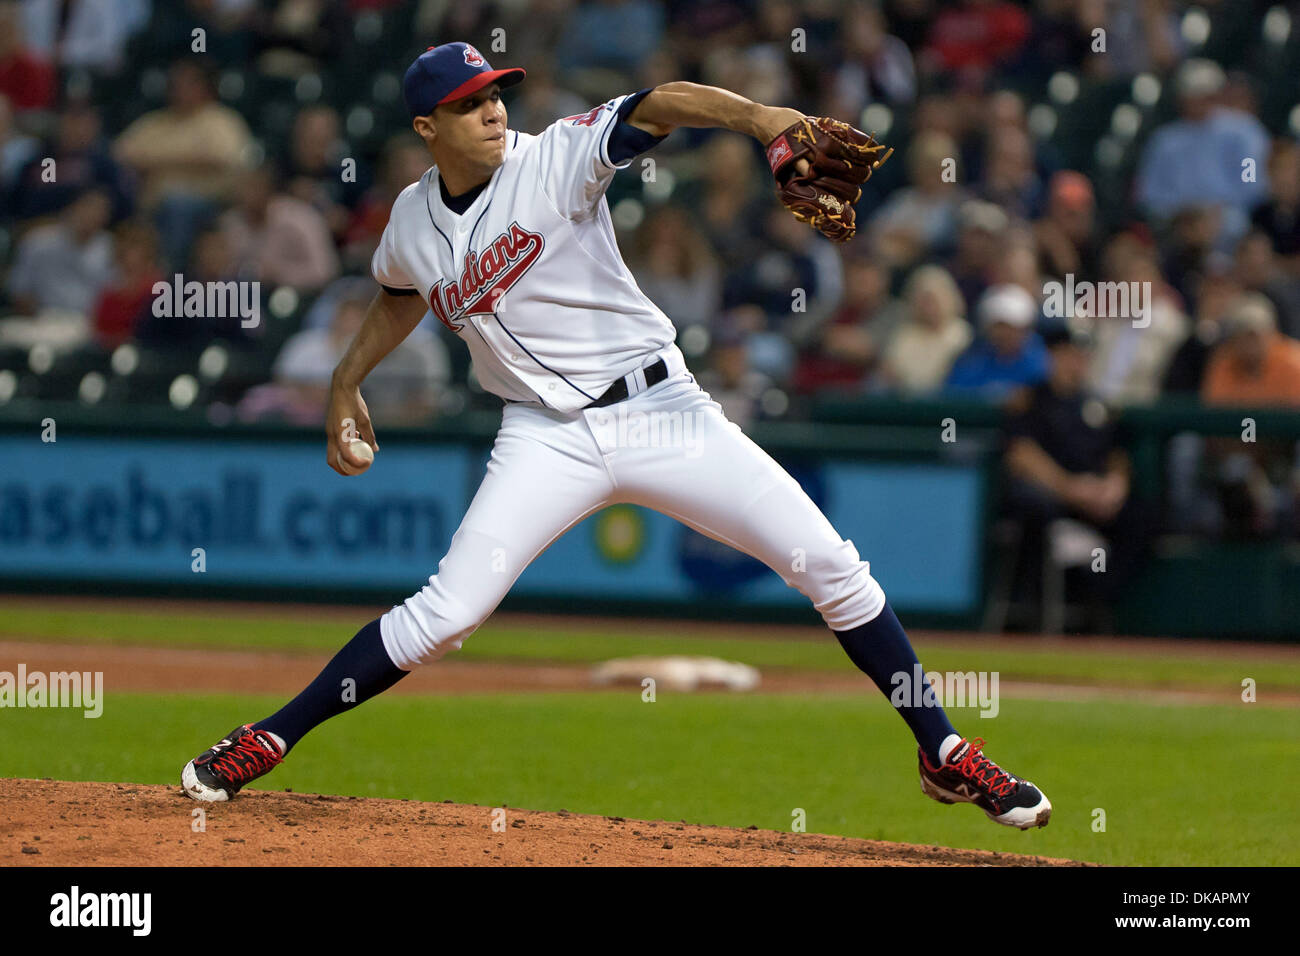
(346, 419)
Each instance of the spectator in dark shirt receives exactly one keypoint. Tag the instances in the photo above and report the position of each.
(402, 162)
(1259, 269)
(1063, 461)
(1009, 178)
(1067, 233)
(730, 200)
(301, 36)
(16, 150)
(1060, 39)
(876, 67)
(729, 378)
(314, 167)
(1279, 217)
(1215, 292)
(81, 161)
(798, 283)
(213, 260)
(1187, 250)
(982, 226)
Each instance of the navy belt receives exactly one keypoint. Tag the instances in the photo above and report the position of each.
(655, 373)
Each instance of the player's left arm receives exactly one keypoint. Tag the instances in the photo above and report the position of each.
(680, 103)
(819, 163)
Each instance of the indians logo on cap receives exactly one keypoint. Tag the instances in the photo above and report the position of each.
(472, 56)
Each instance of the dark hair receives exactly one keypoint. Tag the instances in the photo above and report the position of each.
(199, 69)
(137, 231)
(1056, 334)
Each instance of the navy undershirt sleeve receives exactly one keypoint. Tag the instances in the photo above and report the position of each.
(392, 291)
(625, 140)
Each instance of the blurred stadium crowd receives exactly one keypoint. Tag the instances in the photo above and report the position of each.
(1148, 141)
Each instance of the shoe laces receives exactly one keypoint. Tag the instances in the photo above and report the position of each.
(986, 774)
(245, 758)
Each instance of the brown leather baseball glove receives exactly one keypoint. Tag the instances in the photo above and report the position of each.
(840, 159)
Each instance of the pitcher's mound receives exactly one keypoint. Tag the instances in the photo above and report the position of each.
(57, 823)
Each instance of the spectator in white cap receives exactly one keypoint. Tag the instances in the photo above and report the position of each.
(1008, 354)
(1183, 165)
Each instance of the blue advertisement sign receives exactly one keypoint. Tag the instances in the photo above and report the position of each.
(246, 512)
(918, 526)
(127, 509)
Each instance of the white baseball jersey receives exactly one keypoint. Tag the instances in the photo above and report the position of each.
(530, 275)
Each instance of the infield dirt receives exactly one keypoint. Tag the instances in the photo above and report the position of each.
(57, 823)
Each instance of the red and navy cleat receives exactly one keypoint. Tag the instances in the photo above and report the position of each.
(971, 777)
(218, 773)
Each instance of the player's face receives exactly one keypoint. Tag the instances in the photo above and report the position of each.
(473, 127)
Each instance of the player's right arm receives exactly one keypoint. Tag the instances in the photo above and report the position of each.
(389, 320)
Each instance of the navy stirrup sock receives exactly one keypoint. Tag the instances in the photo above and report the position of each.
(363, 661)
(880, 649)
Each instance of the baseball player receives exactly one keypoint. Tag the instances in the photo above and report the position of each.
(507, 238)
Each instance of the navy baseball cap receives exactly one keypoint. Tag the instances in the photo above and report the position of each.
(448, 72)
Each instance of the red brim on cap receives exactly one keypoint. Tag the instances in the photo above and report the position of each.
(475, 83)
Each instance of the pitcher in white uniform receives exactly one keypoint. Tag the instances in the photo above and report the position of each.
(507, 239)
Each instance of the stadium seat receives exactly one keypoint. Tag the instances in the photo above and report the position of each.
(142, 375)
(227, 371)
(1086, 119)
(64, 377)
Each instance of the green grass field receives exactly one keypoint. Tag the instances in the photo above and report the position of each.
(1178, 785)
(602, 640)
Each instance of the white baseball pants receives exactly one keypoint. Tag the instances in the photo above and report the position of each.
(668, 448)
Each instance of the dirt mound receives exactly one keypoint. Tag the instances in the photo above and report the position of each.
(57, 823)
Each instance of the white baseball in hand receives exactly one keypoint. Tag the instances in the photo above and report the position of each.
(359, 450)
